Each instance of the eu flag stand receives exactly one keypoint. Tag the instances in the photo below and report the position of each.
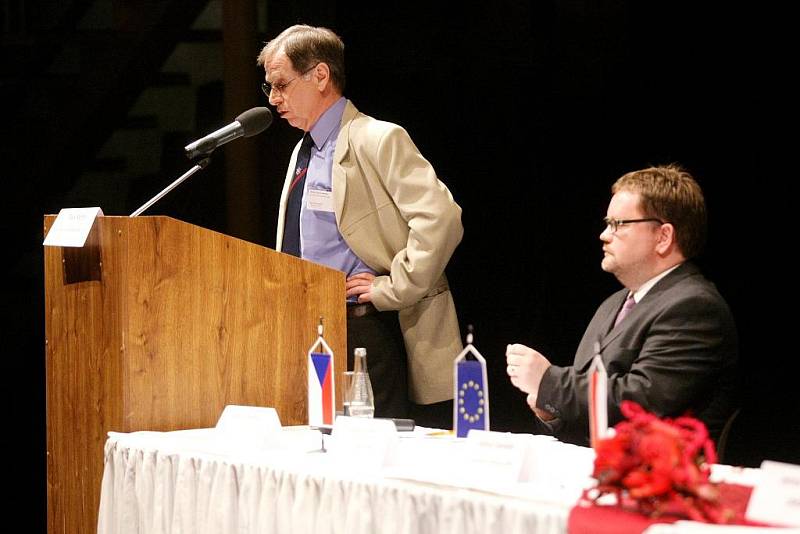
(471, 390)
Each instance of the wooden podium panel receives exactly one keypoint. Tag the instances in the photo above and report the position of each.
(156, 324)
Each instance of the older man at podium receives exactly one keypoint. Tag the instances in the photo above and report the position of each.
(359, 197)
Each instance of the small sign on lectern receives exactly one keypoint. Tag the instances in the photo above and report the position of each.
(71, 227)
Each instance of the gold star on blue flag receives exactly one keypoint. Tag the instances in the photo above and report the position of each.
(471, 395)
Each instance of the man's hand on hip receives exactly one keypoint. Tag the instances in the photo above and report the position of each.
(361, 285)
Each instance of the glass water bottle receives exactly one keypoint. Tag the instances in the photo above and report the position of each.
(362, 402)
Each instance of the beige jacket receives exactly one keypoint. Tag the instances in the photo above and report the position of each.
(397, 216)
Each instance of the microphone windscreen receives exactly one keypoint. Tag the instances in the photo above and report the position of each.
(255, 120)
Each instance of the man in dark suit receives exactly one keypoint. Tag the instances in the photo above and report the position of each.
(668, 340)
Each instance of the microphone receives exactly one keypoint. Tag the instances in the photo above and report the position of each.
(250, 123)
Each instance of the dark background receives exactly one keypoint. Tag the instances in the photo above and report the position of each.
(529, 111)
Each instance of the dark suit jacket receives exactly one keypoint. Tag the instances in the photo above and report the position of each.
(676, 351)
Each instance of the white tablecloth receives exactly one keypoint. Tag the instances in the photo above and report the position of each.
(196, 482)
(190, 482)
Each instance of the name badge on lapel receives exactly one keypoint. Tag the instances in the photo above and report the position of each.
(319, 200)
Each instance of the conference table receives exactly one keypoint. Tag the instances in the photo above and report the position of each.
(202, 481)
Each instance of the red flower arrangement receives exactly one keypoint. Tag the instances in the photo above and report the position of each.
(659, 466)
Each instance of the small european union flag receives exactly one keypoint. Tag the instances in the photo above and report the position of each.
(471, 395)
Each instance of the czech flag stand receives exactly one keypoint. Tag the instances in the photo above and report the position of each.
(321, 390)
(598, 399)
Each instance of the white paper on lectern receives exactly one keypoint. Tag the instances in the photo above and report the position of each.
(71, 227)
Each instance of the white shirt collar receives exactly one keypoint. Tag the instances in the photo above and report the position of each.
(647, 286)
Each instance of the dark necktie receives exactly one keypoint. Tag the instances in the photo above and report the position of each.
(626, 308)
(291, 226)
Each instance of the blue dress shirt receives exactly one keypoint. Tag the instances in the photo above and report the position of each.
(320, 240)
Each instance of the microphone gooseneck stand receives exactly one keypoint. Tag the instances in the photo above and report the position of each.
(199, 165)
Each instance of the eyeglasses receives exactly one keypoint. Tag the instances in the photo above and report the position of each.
(280, 87)
(614, 224)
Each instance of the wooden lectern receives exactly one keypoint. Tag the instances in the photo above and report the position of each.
(156, 324)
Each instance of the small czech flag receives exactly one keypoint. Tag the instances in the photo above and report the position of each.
(598, 399)
(321, 391)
